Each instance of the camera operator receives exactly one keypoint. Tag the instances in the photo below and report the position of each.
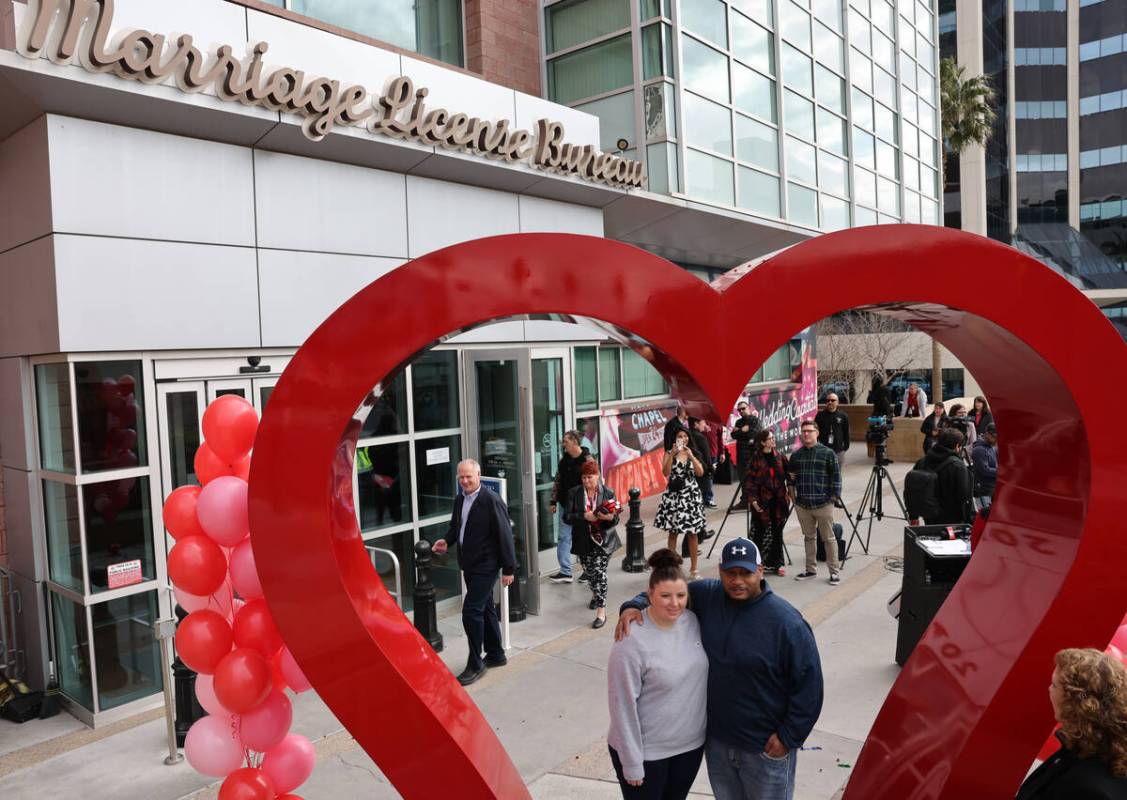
(984, 464)
(944, 496)
(934, 423)
(959, 420)
(743, 431)
(833, 428)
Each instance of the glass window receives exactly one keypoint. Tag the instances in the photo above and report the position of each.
(829, 48)
(435, 481)
(929, 215)
(925, 85)
(802, 205)
(863, 149)
(616, 119)
(754, 93)
(183, 435)
(911, 207)
(56, 434)
(126, 654)
(586, 378)
(706, 70)
(656, 59)
(593, 70)
(862, 109)
(752, 44)
(829, 12)
(610, 382)
(885, 123)
(388, 416)
(835, 213)
(882, 16)
(829, 89)
(444, 571)
(926, 116)
(402, 545)
(888, 196)
(654, 8)
(64, 545)
(884, 52)
(800, 161)
(907, 70)
(383, 478)
(588, 428)
(794, 24)
(797, 70)
(706, 178)
(831, 174)
(860, 70)
(706, 18)
(864, 216)
(831, 131)
(72, 650)
(659, 111)
(758, 192)
(430, 27)
(639, 377)
(434, 380)
(911, 173)
(111, 418)
(707, 125)
(886, 159)
(757, 144)
(799, 115)
(756, 9)
(119, 528)
(569, 24)
(865, 187)
(884, 87)
(927, 150)
(661, 165)
(859, 31)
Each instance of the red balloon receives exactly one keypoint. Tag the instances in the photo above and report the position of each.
(229, 425)
(126, 384)
(197, 565)
(248, 783)
(276, 674)
(287, 797)
(202, 640)
(254, 628)
(180, 513)
(209, 466)
(242, 680)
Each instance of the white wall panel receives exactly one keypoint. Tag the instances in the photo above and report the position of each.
(25, 188)
(300, 290)
(456, 91)
(538, 215)
(28, 314)
(441, 214)
(542, 330)
(307, 204)
(494, 332)
(16, 420)
(26, 550)
(129, 294)
(579, 127)
(109, 180)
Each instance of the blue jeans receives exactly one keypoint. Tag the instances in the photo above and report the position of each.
(563, 547)
(741, 775)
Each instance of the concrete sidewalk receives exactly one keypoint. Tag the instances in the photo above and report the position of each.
(548, 705)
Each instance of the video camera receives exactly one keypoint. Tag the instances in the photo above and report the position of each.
(877, 435)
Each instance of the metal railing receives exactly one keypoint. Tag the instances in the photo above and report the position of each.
(11, 657)
(375, 553)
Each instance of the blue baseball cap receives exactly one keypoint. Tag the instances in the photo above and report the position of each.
(740, 553)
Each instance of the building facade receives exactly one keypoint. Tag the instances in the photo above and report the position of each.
(168, 236)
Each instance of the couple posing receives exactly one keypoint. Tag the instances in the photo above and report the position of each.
(721, 670)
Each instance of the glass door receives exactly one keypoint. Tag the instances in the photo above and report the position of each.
(550, 385)
(497, 392)
(180, 407)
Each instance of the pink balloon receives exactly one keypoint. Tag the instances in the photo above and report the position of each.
(1120, 638)
(222, 510)
(1115, 652)
(220, 602)
(266, 726)
(244, 576)
(292, 672)
(205, 693)
(290, 763)
(213, 746)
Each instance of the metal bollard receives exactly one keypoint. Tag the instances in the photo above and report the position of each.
(426, 616)
(635, 559)
(165, 630)
(188, 708)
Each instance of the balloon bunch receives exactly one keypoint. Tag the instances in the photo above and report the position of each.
(1117, 648)
(118, 401)
(228, 636)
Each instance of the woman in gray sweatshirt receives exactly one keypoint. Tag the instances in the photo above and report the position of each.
(657, 685)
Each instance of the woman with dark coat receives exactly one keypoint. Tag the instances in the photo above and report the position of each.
(592, 511)
(1088, 693)
(980, 414)
(766, 490)
(933, 425)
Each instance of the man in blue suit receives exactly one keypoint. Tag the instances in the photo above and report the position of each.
(480, 526)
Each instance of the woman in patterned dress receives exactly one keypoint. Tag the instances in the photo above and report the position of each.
(765, 487)
(681, 511)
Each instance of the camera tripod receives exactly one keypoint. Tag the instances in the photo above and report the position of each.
(739, 499)
(873, 500)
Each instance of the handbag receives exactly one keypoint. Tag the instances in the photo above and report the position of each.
(676, 484)
(610, 542)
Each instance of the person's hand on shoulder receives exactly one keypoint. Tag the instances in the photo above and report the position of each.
(625, 620)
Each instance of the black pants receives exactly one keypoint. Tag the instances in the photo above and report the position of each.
(769, 539)
(667, 779)
(479, 618)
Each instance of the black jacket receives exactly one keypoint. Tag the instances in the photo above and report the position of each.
(488, 543)
(837, 423)
(580, 529)
(954, 485)
(1066, 776)
(698, 442)
(567, 475)
(744, 439)
(671, 428)
(931, 427)
(984, 460)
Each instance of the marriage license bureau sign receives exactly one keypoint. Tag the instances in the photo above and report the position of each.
(70, 30)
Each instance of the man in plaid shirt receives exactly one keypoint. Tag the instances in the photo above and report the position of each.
(815, 487)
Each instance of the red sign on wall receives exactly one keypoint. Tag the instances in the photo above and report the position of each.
(124, 574)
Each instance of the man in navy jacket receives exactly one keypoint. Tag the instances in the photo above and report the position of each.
(764, 677)
(481, 528)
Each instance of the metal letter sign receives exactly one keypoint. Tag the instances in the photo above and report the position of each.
(969, 710)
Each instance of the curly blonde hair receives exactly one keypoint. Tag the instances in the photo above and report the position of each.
(1093, 708)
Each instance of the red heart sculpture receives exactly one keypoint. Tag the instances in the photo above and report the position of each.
(970, 708)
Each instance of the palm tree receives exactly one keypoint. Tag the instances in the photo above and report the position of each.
(967, 118)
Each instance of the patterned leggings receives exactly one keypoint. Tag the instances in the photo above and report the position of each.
(595, 565)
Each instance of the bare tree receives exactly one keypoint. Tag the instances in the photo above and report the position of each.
(856, 343)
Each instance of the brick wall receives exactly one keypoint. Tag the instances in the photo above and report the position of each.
(503, 42)
(3, 528)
